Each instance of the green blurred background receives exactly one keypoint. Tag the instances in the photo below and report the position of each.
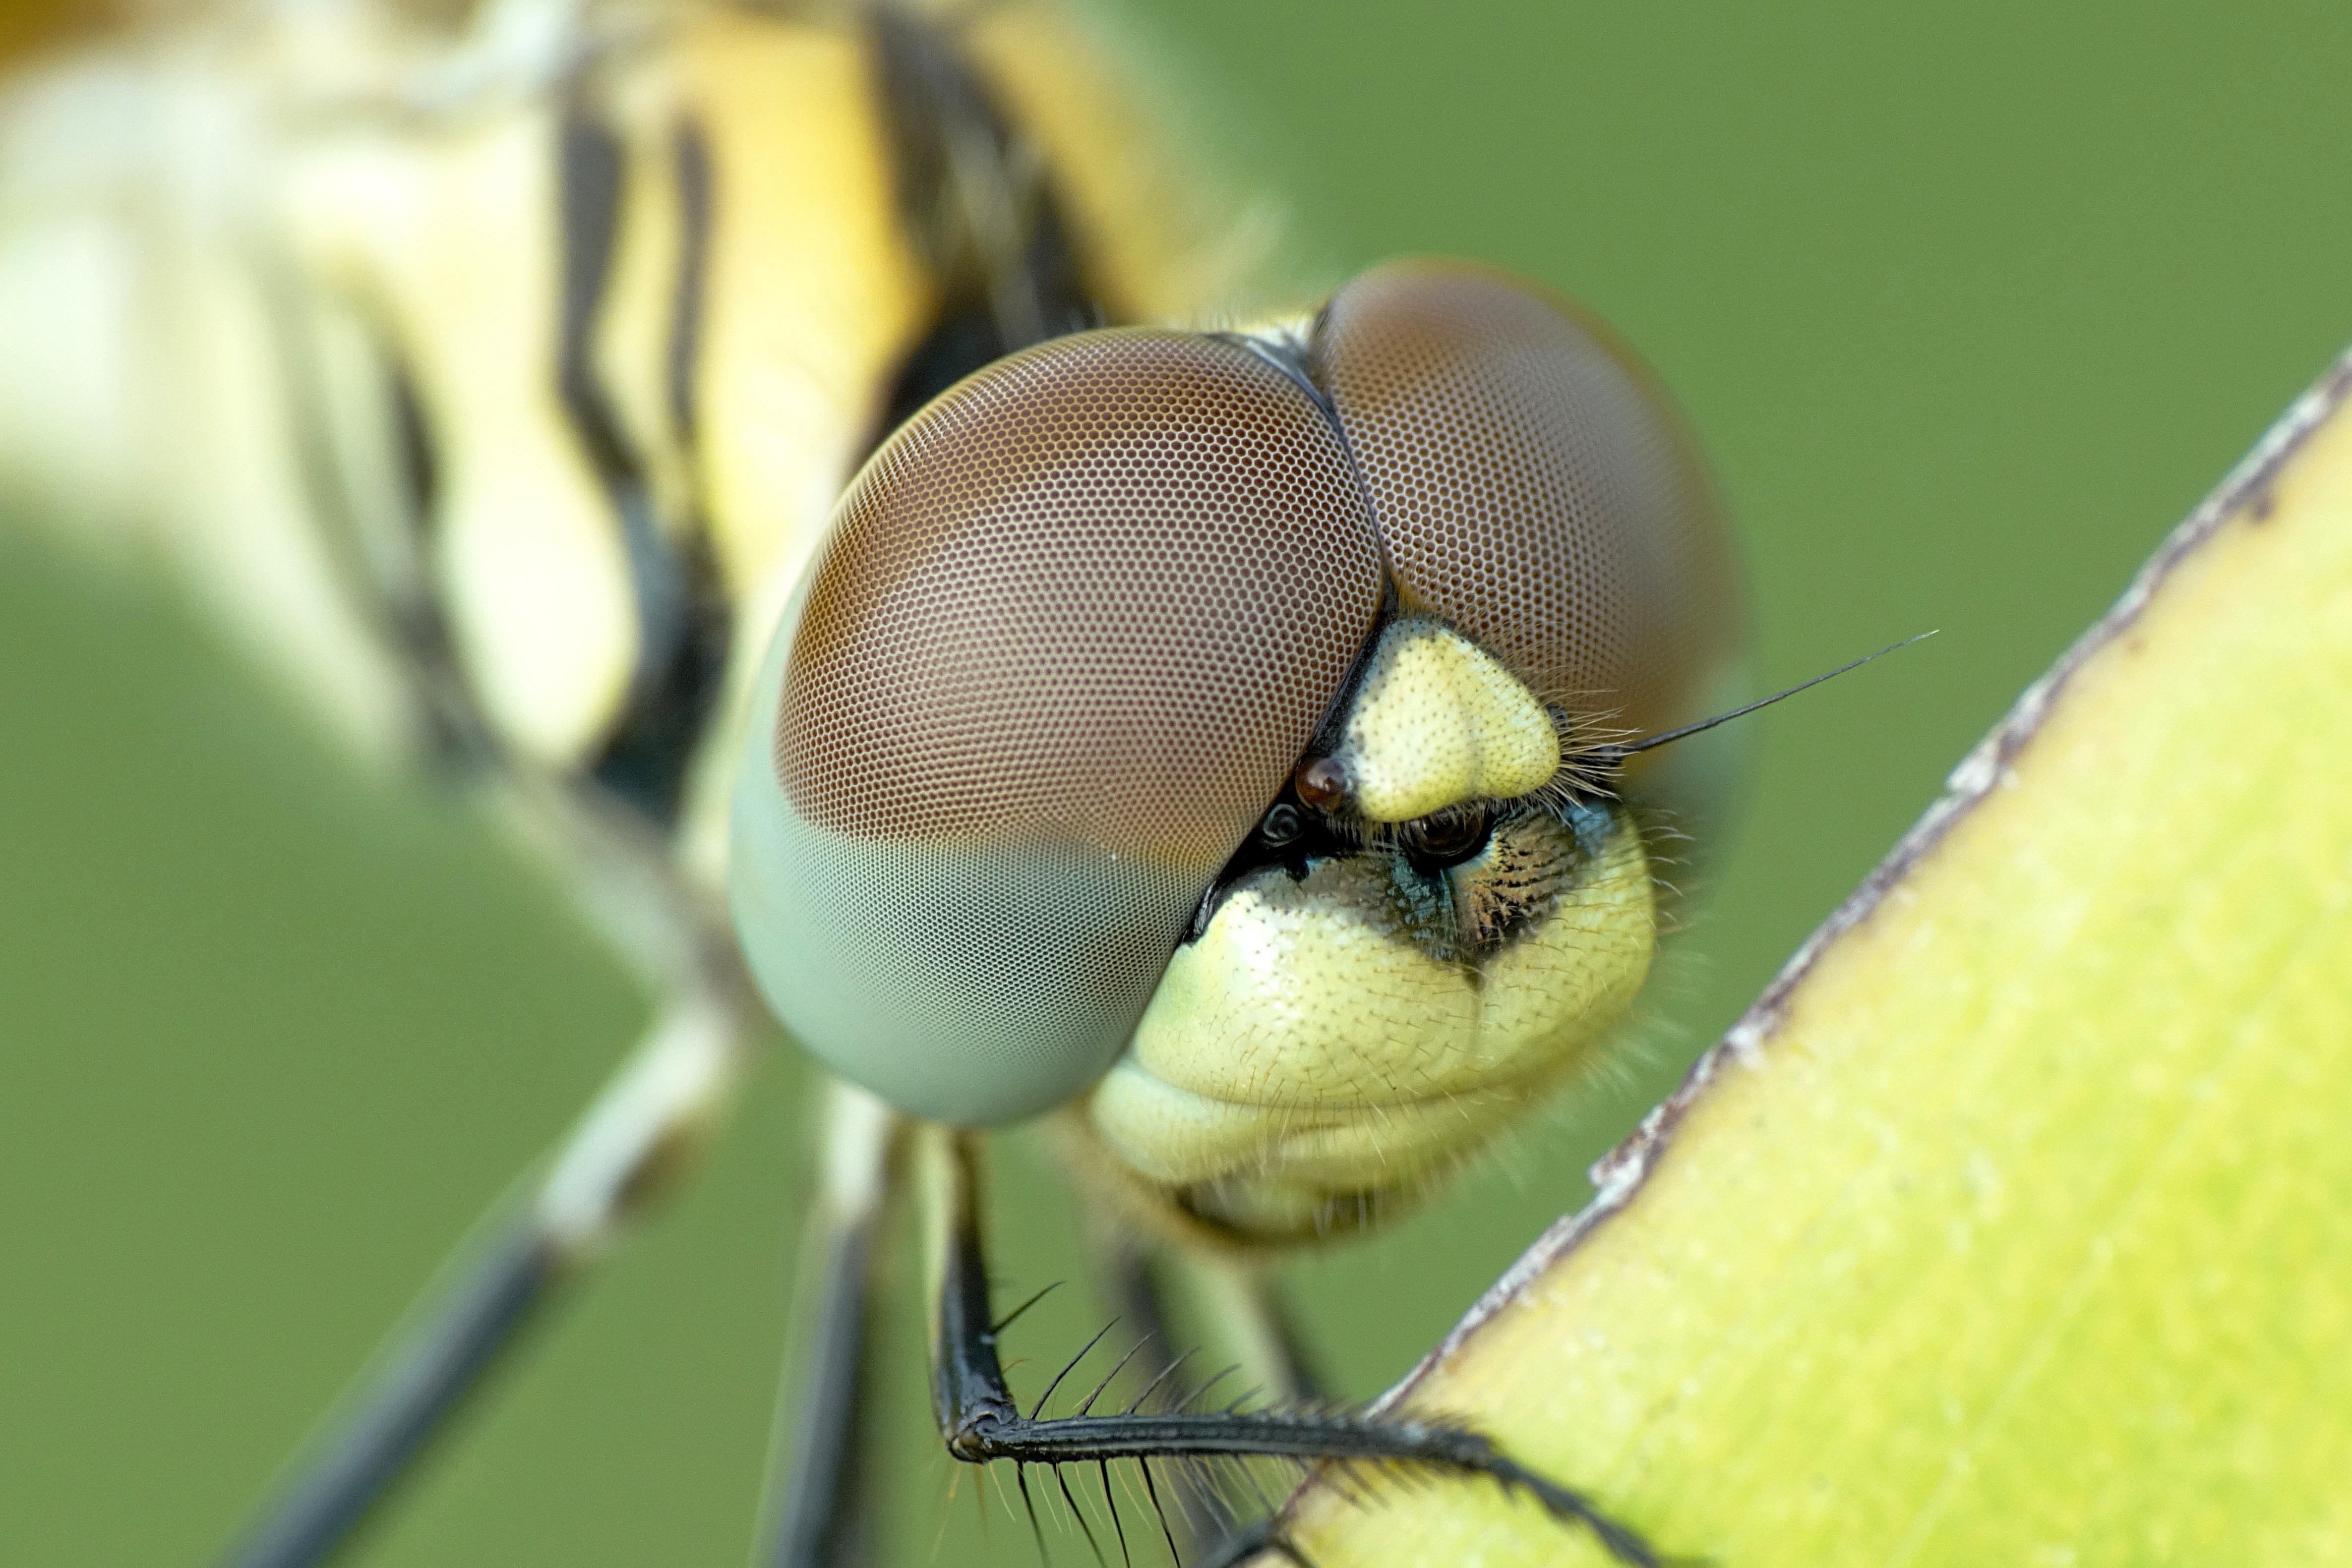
(1969, 304)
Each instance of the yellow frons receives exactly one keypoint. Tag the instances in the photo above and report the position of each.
(1440, 722)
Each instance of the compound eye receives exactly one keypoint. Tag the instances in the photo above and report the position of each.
(1069, 633)
(1535, 488)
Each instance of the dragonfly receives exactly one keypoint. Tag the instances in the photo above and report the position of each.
(731, 439)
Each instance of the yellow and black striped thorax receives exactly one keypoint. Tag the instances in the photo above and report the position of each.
(585, 347)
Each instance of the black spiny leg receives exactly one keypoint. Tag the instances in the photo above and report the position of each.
(1237, 1309)
(980, 1421)
(1200, 1520)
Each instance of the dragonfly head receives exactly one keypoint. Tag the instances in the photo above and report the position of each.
(1199, 731)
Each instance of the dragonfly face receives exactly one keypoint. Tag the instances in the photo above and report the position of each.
(1205, 739)
(1200, 729)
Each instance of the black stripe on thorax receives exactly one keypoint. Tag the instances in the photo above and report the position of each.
(960, 164)
(690, 155)
(683, 621)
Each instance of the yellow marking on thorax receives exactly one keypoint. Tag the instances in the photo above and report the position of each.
(1159, 241)
(815, 293)
(451, 240)
(814, 296)
(1439, 723)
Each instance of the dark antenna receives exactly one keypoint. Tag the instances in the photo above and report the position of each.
(1610, 756)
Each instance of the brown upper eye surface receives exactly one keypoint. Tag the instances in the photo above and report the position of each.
(1534, 487)
(1101, 594)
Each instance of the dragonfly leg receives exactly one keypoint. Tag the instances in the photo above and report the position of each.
(656, 1107)
(816, 1513)
(981, 1422)
(1136, 1277)
(1236, 1309)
